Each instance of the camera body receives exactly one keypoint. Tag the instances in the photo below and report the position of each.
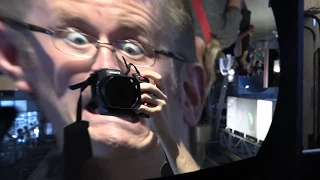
(116, 93)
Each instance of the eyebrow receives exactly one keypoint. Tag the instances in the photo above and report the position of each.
(138, 28)
(62, 16)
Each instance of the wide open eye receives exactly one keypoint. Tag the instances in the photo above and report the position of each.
(77, 38)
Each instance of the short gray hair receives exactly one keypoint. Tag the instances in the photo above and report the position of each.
(15, 9)
(180, 28)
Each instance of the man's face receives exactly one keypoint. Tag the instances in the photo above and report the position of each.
(108, 21)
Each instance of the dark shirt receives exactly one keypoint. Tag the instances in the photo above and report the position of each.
(245, 47)
(244, 25)
(246, 19)
(246, 43)
(224, 22)
(52, 168)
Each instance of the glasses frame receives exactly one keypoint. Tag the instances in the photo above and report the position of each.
(35, 28)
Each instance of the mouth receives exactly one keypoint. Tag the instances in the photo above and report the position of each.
(125, 125)
(93, 109)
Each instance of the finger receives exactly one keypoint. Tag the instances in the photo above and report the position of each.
(157, 78)
(149, 110)
(149, 99)
(146, 87)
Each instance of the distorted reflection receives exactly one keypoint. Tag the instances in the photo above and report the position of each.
(238, 49)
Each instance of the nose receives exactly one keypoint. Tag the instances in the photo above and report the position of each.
(105, 59)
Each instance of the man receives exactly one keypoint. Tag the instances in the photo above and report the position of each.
(224, 18)
(66, 40)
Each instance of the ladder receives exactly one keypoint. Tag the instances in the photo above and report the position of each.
(215, 125)
(225, 65)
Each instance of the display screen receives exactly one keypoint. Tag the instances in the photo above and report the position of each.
(249, 116)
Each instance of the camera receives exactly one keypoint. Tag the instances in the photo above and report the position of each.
(114, 92)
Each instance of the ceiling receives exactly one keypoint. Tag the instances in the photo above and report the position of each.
(262, 18)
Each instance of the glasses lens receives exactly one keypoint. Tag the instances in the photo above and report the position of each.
(134, 52)
(75, 43)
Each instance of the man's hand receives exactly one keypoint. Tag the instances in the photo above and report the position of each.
(157, 107)
(235, 3)
(251, 29)
(245, 64)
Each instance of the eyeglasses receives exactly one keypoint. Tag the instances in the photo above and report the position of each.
(75, 43)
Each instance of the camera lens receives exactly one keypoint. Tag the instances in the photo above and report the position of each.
(120, 92)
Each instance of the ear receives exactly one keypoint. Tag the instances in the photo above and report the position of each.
(9, 64)
(200, 48)
(194, 93)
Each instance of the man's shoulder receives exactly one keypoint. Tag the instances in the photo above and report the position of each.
(50, 168)
(214, 6)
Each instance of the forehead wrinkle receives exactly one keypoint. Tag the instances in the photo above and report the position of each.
(148, 10)
(92, 7)
(133, 26)
(62, 14)
(60, 10)
(146, 22)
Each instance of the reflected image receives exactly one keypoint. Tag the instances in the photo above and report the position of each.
(175, 87)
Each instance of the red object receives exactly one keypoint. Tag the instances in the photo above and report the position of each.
(203, 20)
(146, 104)
(142, 78)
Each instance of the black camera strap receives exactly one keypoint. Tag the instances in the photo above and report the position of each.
(77, 145)
(166, 169)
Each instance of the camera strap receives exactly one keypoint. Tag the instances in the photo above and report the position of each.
(166, 169)
(77, 145)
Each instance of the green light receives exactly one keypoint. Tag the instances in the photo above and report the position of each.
(250, 118)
